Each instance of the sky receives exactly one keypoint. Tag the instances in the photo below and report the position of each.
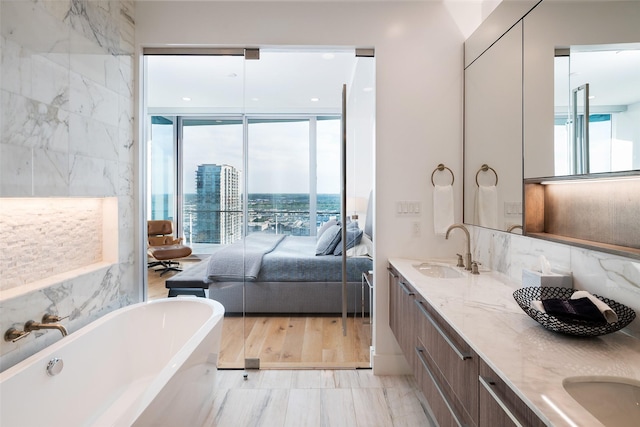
(278, 154)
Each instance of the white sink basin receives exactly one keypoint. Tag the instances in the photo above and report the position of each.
(613, 401)
(439, 270)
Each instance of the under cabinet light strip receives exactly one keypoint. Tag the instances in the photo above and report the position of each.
(592, 180)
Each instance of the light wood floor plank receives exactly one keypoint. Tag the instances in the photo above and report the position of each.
(312, 346)
(284, 342)
(273, 348)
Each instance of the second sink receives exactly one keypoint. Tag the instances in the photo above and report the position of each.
(613, 401)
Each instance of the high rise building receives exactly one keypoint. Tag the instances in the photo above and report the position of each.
(218, 205)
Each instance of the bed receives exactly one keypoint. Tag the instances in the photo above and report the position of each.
(284, 274)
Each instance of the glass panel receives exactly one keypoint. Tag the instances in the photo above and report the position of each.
(328, 156)
(228, 161)
(162, 168)
(293, 185)
(212, 182)
(278, 176)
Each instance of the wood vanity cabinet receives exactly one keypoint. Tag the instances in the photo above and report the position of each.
(445, 367)
(449, 369)
(460, 387)
(402, 312)
(499, 405)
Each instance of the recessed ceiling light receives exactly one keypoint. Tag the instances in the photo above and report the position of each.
(186, 98)
(592, 97)
(367, 89)
(315, 99)
(255, 99)
(328, 55)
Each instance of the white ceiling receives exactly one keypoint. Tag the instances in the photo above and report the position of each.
(282, 81)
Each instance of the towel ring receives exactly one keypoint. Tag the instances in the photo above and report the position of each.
(485, 168)
(440, 168)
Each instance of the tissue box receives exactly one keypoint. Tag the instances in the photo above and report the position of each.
(554, 280)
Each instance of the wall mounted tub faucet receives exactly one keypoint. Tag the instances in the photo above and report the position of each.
(49, 321)
(467, 264)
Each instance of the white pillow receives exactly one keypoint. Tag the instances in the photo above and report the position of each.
(364, 248)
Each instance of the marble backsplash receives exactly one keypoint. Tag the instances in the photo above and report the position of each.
(608, 275)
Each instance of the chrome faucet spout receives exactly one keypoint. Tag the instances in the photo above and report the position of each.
(34, 326)
(467, 264)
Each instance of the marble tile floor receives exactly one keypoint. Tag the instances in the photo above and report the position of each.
(297, 398)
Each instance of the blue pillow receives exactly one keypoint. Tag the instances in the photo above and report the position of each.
(354, 235)
(326, 226)
(328, 241)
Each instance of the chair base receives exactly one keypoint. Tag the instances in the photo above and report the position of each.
(167, 266)
(163, 263)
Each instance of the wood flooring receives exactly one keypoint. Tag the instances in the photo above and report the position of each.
(285, 342)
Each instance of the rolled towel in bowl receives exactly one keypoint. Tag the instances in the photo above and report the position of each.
(579, 309)
(606, 311)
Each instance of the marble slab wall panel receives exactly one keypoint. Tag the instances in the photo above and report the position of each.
(608, 275)
(83, 299)
(66, 129)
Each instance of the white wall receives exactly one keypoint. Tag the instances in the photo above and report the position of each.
(419, 57)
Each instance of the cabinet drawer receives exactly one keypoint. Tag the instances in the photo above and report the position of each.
(499, 405)
(444, 405)
(455, 359)
(402, 315)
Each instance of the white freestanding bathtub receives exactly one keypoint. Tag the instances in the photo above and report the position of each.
(146, 364)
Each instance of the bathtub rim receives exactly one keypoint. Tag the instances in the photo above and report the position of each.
(217, 314)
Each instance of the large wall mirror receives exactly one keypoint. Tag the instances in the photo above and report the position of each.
(520, 99)
(597, 109)
(493, 135)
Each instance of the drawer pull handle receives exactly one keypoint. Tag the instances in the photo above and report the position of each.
(420, 353)
(485, 383)
(405, 289)
(461, 355)
(391, 272)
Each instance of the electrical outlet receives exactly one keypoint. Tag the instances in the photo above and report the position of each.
(415, 226)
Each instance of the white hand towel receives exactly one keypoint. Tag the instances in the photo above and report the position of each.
(606, 311)
(487, 206)
(442, 208)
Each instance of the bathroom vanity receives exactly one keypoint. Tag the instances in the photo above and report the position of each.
(481, 361)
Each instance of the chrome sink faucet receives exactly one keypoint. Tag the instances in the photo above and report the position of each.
(467, 256)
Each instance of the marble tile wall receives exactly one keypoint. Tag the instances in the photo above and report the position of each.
(608, 275)
(66, 130)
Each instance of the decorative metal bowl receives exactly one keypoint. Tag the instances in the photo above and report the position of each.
(524, 296)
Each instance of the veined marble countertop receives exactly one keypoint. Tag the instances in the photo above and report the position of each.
(528, 357)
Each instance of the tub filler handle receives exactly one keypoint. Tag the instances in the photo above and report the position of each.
(13, 335)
